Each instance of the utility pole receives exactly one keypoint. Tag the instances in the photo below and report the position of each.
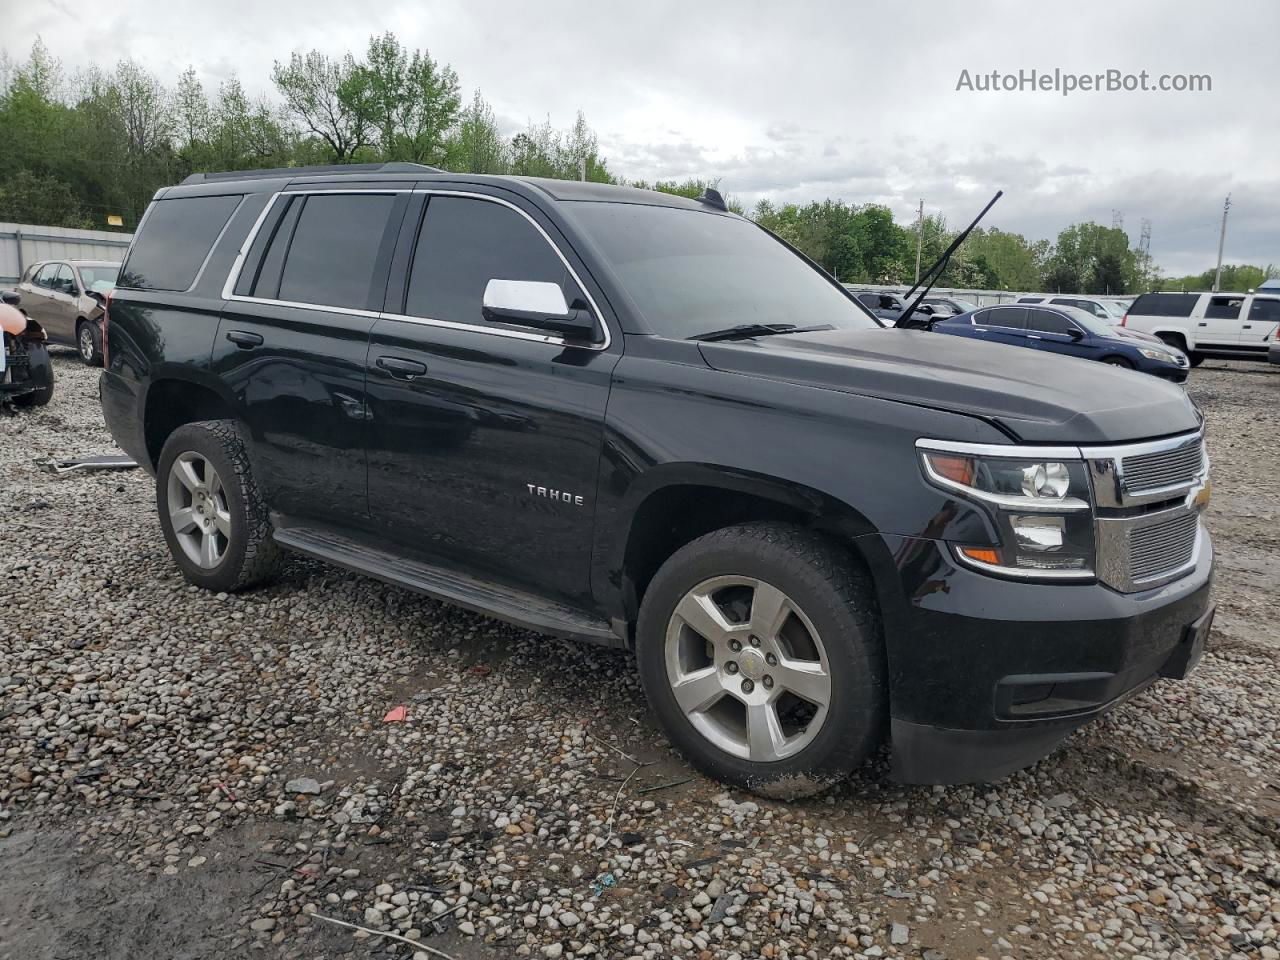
(919, 239)
(1222, 239)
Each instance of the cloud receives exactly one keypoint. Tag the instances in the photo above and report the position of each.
(801, 102)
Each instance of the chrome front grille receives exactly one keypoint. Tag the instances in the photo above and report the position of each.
(1177, 466)
(1163, 547)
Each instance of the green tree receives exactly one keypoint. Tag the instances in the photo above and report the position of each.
(476, 146)
(331, 98)
(414, 101)
(26, 197)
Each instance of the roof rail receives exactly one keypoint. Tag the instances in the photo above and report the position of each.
(331, 168)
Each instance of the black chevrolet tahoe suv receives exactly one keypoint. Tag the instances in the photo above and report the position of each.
(642, 421)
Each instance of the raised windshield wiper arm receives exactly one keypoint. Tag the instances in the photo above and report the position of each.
(745, 331)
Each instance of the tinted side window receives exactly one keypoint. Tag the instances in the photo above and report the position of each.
(1044, 321)
(1012, 317)
(1164, 305)
(1223, 308)
(870, 299)
(65, 281)
(335, 249)
(175, 239)
(465, 243)
(1267, 311)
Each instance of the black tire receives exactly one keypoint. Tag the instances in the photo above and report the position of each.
(41, 373)
(250, 557)
(1195, 359)
(1118, 362)
(837, 599)
(89, 342)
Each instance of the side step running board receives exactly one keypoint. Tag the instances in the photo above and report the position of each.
(494, 600)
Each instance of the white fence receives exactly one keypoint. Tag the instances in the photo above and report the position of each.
(22, 244)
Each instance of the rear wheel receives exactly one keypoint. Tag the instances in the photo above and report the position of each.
(40, 374)
(1195, 358)
(89, 343)
(213, 518)
(760, 650)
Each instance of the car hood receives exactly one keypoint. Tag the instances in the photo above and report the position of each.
(1038, 397)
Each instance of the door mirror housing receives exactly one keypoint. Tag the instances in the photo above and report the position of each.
(11, 297)
(1076, 334)
(538, 304)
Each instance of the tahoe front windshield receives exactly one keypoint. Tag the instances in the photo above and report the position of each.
(690, 272)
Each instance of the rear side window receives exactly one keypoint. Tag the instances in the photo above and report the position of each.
(334, 250)
(1266, 311)
(1014, 318)
(1045, 321)
(45, 277)
(1224, 308)
(464, 243)
(176, 237)
(1164, 305)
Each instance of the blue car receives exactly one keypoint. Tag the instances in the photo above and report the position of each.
(1069, 331)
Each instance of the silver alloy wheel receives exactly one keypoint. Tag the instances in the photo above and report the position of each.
(198, 510)
(748, 668)
(86, 343)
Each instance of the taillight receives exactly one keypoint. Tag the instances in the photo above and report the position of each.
(106, 307)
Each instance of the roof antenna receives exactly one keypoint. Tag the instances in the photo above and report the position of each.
(711, 197)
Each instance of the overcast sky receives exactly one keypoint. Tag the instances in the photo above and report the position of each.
(804, 101)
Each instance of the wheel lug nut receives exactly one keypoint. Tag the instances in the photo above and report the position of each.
(755, 641)
(771, 659)
(731, 666)
(735, 645)
(747, 686)
(768, 682)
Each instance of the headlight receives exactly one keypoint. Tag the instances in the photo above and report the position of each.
(1041, 508)
(1161, 355)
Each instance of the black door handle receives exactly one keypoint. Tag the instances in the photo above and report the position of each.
(244, 339)
(400, 368)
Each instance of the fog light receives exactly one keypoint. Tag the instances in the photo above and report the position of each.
(1038, 534)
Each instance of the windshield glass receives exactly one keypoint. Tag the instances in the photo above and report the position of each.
(99, 279)
(690, 272)
(963, 306)
(1114, 308)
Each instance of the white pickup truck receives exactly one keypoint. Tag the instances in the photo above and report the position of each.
(1231, 326)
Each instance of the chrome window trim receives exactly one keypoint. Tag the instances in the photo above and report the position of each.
(233, 276)
(216, 240)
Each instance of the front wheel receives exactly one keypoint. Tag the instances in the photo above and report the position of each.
(212, 515)
(1118, 362)
(760, 649)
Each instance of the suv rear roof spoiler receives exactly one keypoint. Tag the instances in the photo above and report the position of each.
(332, 168)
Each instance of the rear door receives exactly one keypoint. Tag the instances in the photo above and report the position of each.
(1003, 325)
(485, 438)
(37, 293)
(1218, 318)
(292, 342)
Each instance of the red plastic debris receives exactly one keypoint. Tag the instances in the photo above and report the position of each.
(396, 715)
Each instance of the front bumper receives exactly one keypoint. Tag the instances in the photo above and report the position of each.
(988, 676)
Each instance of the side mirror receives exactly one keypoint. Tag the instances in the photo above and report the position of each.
(1075, 333)
(11, 297)
(537, 304)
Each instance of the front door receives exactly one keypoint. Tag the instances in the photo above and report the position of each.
(37, 294)
(485, 439)
(292, 344)
(62, 308)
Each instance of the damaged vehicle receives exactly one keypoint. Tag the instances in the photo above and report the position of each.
(67, 298)
(26, 373)
(640, 420)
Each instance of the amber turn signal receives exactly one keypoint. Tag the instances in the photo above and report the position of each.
(981, 554)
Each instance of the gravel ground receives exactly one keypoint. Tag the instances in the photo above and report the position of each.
(187, 775)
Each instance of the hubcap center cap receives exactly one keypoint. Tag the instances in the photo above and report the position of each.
(752, 664)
